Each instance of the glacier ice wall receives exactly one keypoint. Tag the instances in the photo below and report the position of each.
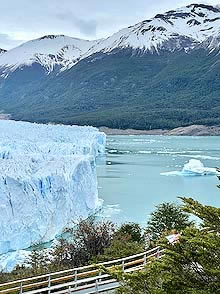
(47, 179)
(24, 137)
(10, 260)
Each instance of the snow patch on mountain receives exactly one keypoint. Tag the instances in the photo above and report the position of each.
(48, 51)
(194, 23)
(184, 28)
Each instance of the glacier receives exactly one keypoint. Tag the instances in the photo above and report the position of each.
(29, 138)
(47, 180)
(12, 259)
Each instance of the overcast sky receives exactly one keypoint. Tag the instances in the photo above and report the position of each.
(22, 20)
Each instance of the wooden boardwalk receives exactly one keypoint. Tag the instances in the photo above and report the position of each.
(81, 280)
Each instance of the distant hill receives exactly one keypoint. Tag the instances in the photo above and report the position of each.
(160, 73)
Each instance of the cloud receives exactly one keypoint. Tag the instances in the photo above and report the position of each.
(86, 27)
(7, 42)
(87, 19)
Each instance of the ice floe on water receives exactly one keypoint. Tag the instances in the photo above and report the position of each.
(205, 157)
(193, 168)
(189, 153)
(106, 211)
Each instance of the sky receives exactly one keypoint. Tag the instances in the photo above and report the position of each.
(23, 20)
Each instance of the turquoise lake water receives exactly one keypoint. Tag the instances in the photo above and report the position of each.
(130, 180)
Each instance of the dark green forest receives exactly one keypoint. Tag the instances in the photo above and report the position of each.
(124, 89)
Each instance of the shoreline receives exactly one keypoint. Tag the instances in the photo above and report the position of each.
(193, 130)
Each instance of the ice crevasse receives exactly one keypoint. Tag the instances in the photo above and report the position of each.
(47, 180)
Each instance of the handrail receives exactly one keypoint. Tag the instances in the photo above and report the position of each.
(80, 275)
(80, 268)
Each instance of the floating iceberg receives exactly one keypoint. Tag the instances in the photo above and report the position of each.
(47, 180)
(196, 168)
(193, 168)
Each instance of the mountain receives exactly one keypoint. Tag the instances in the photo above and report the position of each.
(49, 51)
(182, 28)
(160, 73)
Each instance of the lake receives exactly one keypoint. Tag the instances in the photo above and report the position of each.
(130, 180)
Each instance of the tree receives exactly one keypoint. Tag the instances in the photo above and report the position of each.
(94, 236)
(127, 240)
(190, 266)
(167, 217)
(218, 175)
(119, 248)
(38, 260)
(209, 215)
(132, 230)
(85, 241)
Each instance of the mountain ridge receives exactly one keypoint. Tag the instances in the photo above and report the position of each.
(159, 73)
(187, 27)
(48, 51)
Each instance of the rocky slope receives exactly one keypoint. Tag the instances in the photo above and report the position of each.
(193, 130)
(2, 51)
(184, 28)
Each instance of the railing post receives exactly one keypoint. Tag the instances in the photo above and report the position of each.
(69, 290)
(49, 283)
(158, 253)
(100, 273)
(75, 279)
(145, 258)
(123, 266)
(96, 286)
(21, 288)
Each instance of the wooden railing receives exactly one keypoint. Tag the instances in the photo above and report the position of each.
(79, 279)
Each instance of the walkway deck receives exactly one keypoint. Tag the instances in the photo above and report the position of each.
(82, 280)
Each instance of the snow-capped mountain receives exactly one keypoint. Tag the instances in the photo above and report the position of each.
(49, 51)
(186, 27)
(181, 28)
(160, 73)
